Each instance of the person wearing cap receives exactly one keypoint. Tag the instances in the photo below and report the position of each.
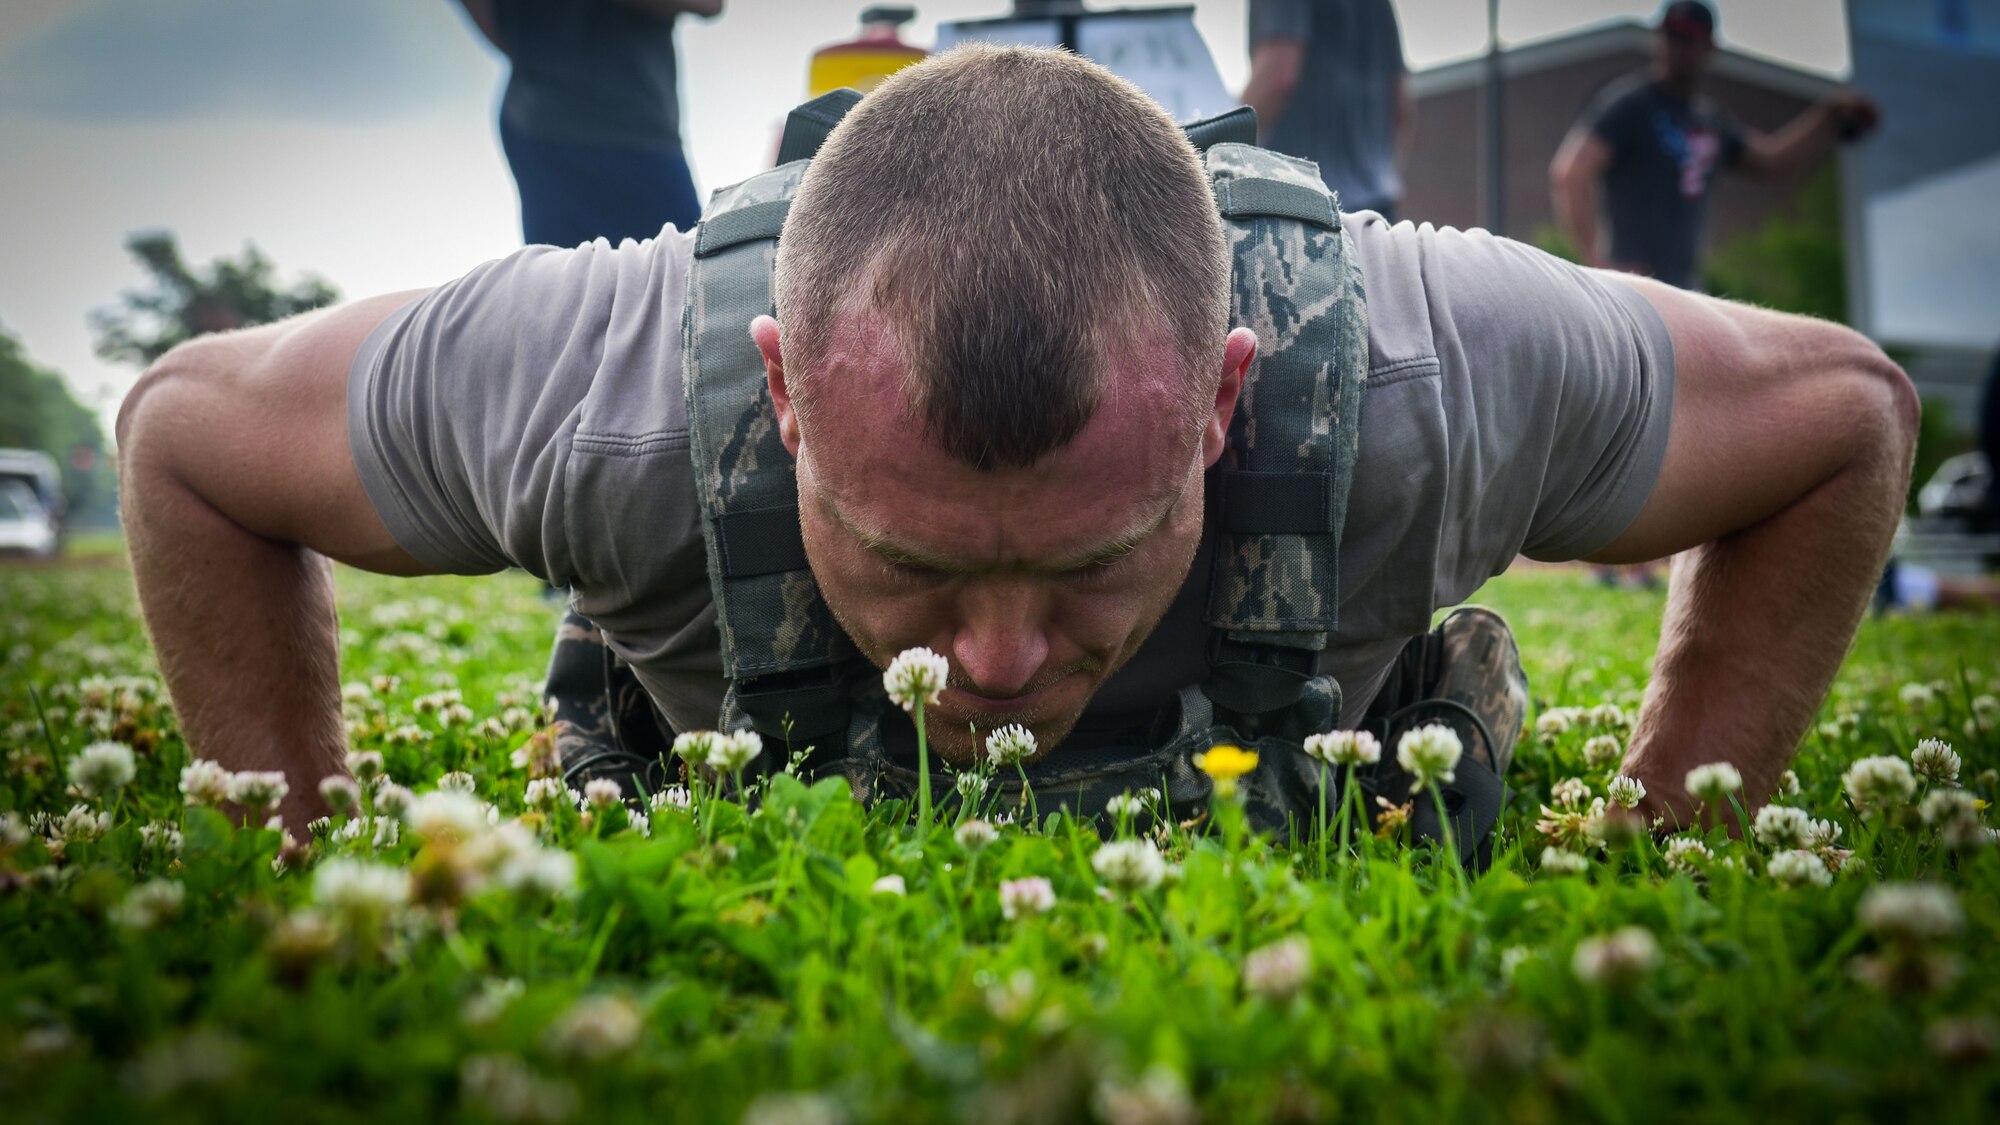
(1649, 146)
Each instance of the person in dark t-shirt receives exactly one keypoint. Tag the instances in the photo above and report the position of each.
(1654, 143)
(591, 118)
(1328, 83)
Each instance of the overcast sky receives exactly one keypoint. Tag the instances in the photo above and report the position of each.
(355, 138)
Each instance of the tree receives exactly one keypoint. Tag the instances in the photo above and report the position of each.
(38, 412)
(180, 303)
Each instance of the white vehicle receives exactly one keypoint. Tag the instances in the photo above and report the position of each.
(26, 528)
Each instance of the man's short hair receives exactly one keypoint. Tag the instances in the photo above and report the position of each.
(1017, 214)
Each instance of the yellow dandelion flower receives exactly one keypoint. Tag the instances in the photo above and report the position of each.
(1224, 764)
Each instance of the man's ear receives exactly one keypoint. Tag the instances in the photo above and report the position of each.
(1239, 351)
(764, 331)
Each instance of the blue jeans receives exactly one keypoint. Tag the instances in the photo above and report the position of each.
(572, 192)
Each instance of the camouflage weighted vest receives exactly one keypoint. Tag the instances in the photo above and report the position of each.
(1277, 501)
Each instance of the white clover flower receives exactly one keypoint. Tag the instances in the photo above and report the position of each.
(1159, 1097)
(1276, 972)
(1788, 784)
(1603, 751)
(1562, 861)
(544, 793)
(495, 996)
(1934, 760)
(1617, 959)
(1570, 793)
(1941, 807)
(971, 787)
(694, 747)
(1782, 827)
(975, 835)
(102, 767)
(603, 792)
(538, 873)
(1625, 792)
(365, 765)
(1554, 722)
(1344, 748)
(1430, 754)
(734, 751)
(671, 797)
(889, 885)
(1879, 783)
(916, 677)
(1010, 745)
(14, 831)
(1687, 855)
(1795, 866)
(794, 1107)
(1131, 865)
(1125, 804)
(1917, 696)
(1030, 895)
(458, 781)
(148, 905)
(160, 838)
(505, 1089)
(340, 793)
(81, 825)
(1714, 782)
(446, 814)
(258, 789)
(1912, 912)
(639, 822)
(1608, 716)
(1967, 833)
(392, 799)
(360, 895)
(204, 783)
(1822, 834)
(596, 1027)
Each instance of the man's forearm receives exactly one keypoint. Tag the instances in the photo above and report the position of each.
(1758, 623)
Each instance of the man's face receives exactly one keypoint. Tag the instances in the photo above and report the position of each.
(1037, 583)
(1682, 58)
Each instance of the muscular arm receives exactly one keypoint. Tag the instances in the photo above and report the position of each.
(1573, 176)
(1785, 473)
(1806, 137)
(237, 486)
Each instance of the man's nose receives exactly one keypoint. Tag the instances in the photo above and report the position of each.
(1002, 639)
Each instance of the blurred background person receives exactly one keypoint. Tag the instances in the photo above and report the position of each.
(1328, 83)
(591, 120)
(1654, 143)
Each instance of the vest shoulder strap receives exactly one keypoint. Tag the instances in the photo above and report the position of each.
(779, 641)
(1281, 487)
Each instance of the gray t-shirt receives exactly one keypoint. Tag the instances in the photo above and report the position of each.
(531, 414)
(1342, 113)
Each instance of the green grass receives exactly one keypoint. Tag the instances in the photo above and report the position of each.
(739, 961)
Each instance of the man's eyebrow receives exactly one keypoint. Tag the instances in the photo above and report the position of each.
(897, 554)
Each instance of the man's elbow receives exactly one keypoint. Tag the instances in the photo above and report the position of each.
(1885, 400)
(161, 405)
